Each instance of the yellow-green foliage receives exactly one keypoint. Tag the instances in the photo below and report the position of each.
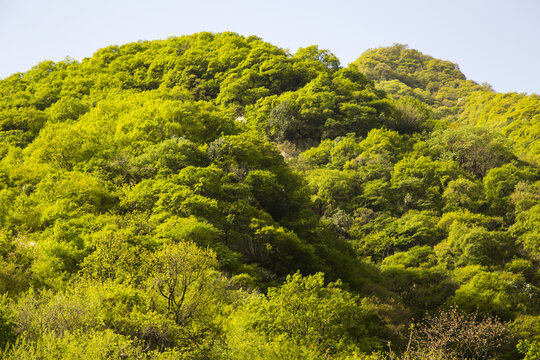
(516, 116)
(404, 72)
(147, 210)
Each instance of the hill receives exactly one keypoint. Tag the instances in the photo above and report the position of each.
(406, 73)
(214, 196)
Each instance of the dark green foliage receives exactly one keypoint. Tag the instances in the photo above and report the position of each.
(7, 326)
(331, 105)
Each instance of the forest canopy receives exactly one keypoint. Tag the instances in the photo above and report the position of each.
(214, 196)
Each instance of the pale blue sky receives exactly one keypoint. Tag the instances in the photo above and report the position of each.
(494, 41)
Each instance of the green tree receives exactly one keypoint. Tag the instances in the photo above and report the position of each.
(326, 318)
(182, 276)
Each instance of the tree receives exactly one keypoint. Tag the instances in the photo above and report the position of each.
(475, 149)
(467, 245)
(462, 193)
(418, 182)
(411, 115)
(313, 315)
(500, 293)
(454, 334)
(182, 276)
(499, 184)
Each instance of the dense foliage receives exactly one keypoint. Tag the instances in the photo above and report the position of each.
(406, 74)
(215, 197)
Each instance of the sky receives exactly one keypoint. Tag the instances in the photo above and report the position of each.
(493, 41)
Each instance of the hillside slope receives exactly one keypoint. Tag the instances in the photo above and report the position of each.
(213, 196)
(404, 72)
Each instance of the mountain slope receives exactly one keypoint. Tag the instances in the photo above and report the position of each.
(213, 196)
(404, 72)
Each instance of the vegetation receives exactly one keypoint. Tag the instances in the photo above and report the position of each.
(215, 197)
